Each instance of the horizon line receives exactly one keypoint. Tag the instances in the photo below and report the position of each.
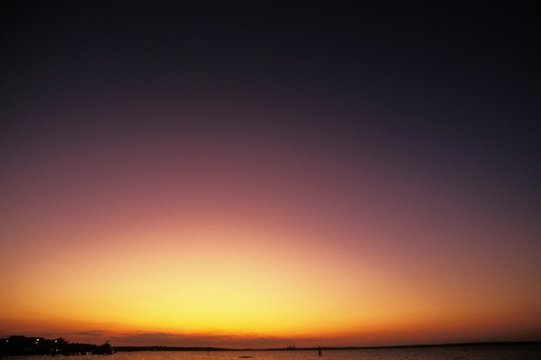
(352, 347)
(128, 348)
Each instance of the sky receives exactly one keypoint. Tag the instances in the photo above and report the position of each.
(251, 174)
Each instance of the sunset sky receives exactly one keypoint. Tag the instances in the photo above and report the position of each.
(246, 174)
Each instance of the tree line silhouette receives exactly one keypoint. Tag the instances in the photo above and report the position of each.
(23, 345)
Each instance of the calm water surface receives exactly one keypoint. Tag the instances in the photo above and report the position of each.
(516, 352)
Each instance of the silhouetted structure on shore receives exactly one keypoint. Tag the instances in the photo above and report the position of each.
(291, 346)
(22, 345)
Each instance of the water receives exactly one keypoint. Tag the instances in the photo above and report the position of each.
(489, 352)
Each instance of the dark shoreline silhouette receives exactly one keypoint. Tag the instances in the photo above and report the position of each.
(22, 345)
(317, 348)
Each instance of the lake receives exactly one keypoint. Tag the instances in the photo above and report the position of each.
(485, 352)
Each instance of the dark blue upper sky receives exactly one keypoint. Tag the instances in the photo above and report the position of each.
(437, 90)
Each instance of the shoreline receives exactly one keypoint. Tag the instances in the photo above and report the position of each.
(331, 348)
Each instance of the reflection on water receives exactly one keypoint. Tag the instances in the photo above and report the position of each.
(489, 352)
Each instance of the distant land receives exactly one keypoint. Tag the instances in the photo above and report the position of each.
(184, 348)
(24, 345)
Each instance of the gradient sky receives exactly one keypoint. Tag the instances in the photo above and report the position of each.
(248, 174)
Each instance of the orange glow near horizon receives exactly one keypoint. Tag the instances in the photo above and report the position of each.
(264, 265)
